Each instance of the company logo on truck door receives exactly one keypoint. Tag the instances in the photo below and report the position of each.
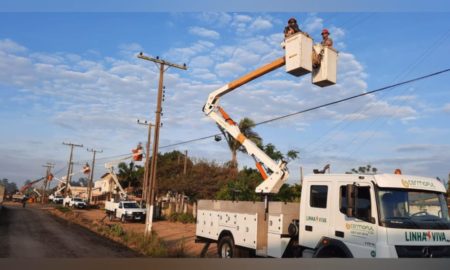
(426, 237)
(408, 183)
(316, 219)
(360, 229)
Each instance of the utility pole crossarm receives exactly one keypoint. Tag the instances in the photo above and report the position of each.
(162, 62)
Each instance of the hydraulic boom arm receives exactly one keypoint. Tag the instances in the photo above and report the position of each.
(273, 173)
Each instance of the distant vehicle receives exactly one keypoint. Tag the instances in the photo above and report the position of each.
(125, 211)
(58, 199)
(18, 197)
(74, 202)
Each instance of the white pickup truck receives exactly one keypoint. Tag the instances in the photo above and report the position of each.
(125, 210)
(74, 202)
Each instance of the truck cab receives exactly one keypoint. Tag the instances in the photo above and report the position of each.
(368, 216)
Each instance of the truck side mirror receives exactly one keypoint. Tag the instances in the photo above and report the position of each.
(351, 200)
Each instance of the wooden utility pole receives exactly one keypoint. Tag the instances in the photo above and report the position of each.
(49, 166)
(91, 177)
(163, 66)
(185, 162)
(70, 165)
(301, 175)
(146, 183)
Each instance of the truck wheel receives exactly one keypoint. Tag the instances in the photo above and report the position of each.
(225, 247)
(110, 216)
(122, 219)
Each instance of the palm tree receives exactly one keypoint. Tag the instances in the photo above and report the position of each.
(128, 174)
(246, 126)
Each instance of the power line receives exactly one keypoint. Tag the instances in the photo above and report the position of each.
(355, 96)
(401, 75)
(323, 105)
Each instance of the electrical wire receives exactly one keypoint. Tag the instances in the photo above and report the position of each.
(324, 105)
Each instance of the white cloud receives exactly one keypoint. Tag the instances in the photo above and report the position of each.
(229, 69)
(405, 98)
(313, 24)
(186, 53)
(203, 32)
(9, 46)
(216, 19)
(446, 107)
(261, 24)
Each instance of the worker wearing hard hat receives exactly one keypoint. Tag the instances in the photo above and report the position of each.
(291, 28)
(326, 40)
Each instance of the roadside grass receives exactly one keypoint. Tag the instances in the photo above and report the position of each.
(179, 251)
(148, 246)
(181, 217)
(63, 209)
(151, 246)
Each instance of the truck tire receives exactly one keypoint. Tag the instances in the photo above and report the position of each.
(122, 219)
(110, 216)
(226, 248)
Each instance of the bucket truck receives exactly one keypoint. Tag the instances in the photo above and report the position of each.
(20, 195)
(339, 215)
(122, 208)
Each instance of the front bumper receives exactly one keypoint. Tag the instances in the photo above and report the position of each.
(135, 217)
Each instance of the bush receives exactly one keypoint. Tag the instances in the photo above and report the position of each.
(117, 230)
(186, 218)
(181, 217)
(179, 250)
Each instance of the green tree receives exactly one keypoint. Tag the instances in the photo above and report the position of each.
(130, 175)
(275, 154)
(289, 193)
(243, 188)
(246, 126)
(10, 187)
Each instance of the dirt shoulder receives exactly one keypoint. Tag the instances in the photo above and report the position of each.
(170, 239)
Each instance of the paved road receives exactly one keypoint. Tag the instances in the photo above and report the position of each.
(33, 233)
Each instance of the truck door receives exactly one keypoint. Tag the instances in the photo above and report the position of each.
(315, 222)
(358, 233)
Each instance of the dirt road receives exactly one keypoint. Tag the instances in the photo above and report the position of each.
(33, 233)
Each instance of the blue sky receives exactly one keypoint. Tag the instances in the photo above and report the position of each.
(74, 77)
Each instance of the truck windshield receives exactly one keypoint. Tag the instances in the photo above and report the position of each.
(130, 205)
(401, 208)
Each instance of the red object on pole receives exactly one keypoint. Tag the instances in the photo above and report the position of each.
(137, 153)
(86, 169)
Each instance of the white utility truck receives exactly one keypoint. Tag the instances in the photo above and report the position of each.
(339, 215)
(74, 202)
(125, 210)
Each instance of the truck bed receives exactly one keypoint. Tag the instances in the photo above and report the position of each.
(247, 222)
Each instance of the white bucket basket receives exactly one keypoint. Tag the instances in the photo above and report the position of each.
(325, 74)
(298, 54)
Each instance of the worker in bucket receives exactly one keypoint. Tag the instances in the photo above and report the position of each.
(326, 40)
(291, 28)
